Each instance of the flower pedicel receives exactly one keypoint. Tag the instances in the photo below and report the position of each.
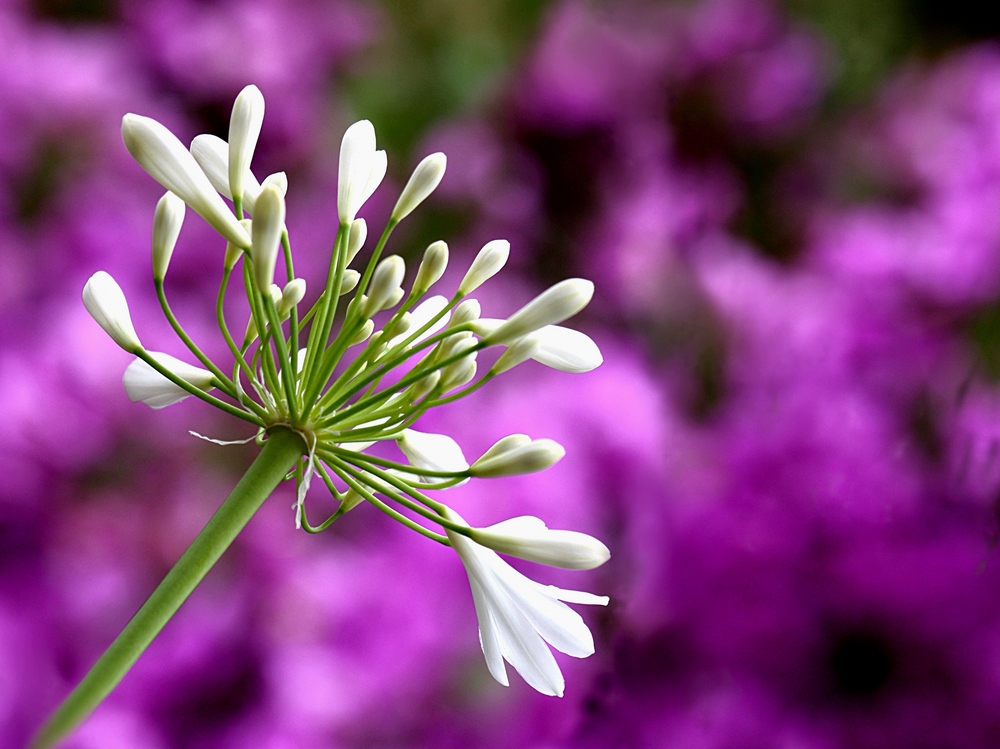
(320, 400)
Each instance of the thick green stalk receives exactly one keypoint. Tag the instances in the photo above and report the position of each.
(280, 452)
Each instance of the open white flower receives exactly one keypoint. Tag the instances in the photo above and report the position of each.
(517, 616)
(143, 383)
(362, 169)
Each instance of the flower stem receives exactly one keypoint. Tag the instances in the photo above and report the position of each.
(280, 452)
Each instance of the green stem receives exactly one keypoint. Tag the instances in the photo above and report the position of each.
(280, 452)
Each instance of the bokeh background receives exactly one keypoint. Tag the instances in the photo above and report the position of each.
(791, 211)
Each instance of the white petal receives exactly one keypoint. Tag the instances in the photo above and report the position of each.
(489, 641)
(567, 350)
(573, 596)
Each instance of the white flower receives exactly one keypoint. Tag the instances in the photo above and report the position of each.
(529, 538)
(293, 293)
(385, 287)
(490, 260)
(424, 180)
(244, 129)
(557, 347)
(553, 305)
(432, 452)
(105, 301)
(519, 458)
(432, 267)
(212, 154)
(266, 232)
(167, 221)
(517, 616)
(362, 169)
(143, 383)
(168, 162)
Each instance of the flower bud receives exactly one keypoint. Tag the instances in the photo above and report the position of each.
(552, 306)
(432, 452)
(467, 311)
(291, 295)
(362, 335)
(356, 238)
(510, 442)
(424, 386)
(385, 285)
(432, 267)
(167, 222)
(566, 350)
(143, 383)
(422, 314)
(168, 162)
(269, 220)
(349, 281)
(458, 374)
(362, 169)
(536, 455)
(212, 154)
(424, 180)
(244, 129)
(517, 352)
(487, 264)
(279, 180)
(528, 538)
(234, 253)
(105, 301)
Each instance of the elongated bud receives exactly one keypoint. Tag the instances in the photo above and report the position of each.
(105, 301)
(519, 351)
(424, 180)
(467, 311)
(385, 285)
(432, 267)
(293, 293)
(168, 162)
(233, 252)
(458, 374)
(566, 350)
(167, 222)
(278, 180)
(552, 306)
(269, 220)
(145, 384)
(356, 238)
(362, 169)
(422, 387)
(349, 281)
(487, 264)
(508, 443)
(528, 538)
(532, 457)
(433, 452)
(362, 335)
(244, 129)
(212, 154)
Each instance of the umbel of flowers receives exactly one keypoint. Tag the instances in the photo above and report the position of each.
(331, 382)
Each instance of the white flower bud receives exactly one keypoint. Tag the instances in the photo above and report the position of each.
(356, 238)
(362, 335)
(528, 538)
(268, 223)
(275, 291)
(212, 155)
(566, 350)
(168, 162)
(424, 180)
(552, 306)
(233, 252)
(510, 442)
(486, 325)
(487, 264)
(422, 314)
(145, 384)
(432, 267)
(167, 222)
(467, 311)
(349, 281)
(536, 455)
(291, 295)
(278, 180)
(423, 386)
(458, 374)
(362, 169)
(517, 352)
(244, 129)
(385, 285)
(432, 452)
(105, 301)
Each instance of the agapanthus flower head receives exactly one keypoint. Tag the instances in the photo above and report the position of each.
(363, 364)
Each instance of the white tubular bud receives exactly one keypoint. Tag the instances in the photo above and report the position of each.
(424, 180)
(519, 351)
(432, 452)
(486, 325)
(460, 373)
(212, 155)
(385, 285)
(467, 311)
(278, 180)
(552, 306)
(422, 314)
(432, 267)
(566, 350)
(356, 238)
(293, 293)
(422, 387)
(487, 264)
(167, 161)
(532, 457)
(145, 384)
(105, 301)
(510, 442)
(362, 169)
(233, 252)
(528, 538)
(349, 281)
(268, 223)
(244, 129)
(362, 335)
(167, 222)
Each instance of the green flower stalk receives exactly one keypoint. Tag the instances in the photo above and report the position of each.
(321, 386)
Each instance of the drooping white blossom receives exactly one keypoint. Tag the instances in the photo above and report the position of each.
(105, 301)
(528, 537)
(145, 384)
